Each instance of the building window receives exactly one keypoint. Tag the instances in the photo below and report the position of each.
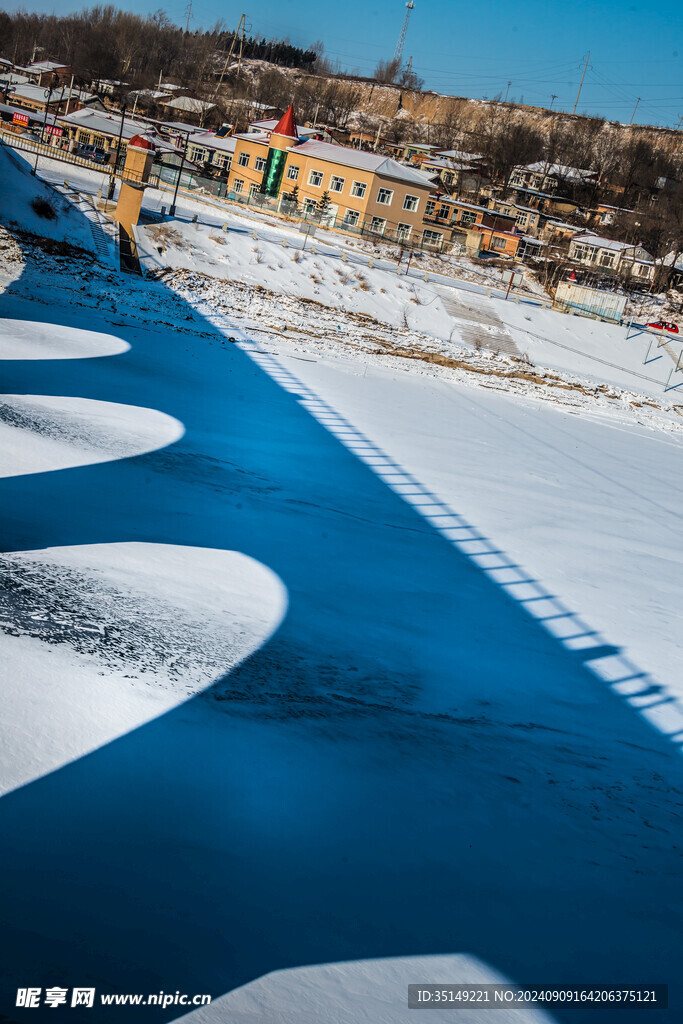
(432, 238)
(292, 172)
(499, 243)
(85, 138)
(196, 153)
(607, 259)
(384, 196)
(243, 160)
(351, 218)
(253, 189)
(358, 189)
(378, 225)
(403, 232)
(521, 219)
(99, 141)
(429, 208)
(411, 203)
(238, 184)
(581, 252)
(336, 183)
(260, 164)
(315, 178)
(468, 217)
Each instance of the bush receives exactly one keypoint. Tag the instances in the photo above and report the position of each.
(43, 209)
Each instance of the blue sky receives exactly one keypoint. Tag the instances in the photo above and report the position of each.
(636, 48)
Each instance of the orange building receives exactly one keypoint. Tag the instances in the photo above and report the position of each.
(351, 189)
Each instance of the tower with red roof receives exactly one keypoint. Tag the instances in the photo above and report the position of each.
(283, 137)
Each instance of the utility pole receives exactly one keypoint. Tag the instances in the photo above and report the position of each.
(506, 92)
(239, 31)
(189, 12)
(552, 99)
(634, 110)
(585, 69)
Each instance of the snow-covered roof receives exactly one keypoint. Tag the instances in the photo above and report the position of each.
(457, 154)
(40, 66)
(13, 79)
(190, 105)
(209, 140)
(110, 124)
(38, 117)
(372, 162)
(441, 163)
(36, 93)
(596, 242)
(558, 171)
(150, 94)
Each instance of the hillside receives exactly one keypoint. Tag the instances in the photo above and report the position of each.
(426, 109)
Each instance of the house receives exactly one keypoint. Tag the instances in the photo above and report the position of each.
(547, 177)
(547, 202)
(603, 215)
(605, 254)
(190, 106)
(477, 227)
(528, 219)
(101, 129)
(44, 72)
(61, 100)
(455, 175)
(358, 191)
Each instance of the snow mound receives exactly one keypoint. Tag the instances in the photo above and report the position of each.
(27, 339)
(99, 639)
(40, 434)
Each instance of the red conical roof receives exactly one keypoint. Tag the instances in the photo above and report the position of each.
(141, 142)
(286, 125)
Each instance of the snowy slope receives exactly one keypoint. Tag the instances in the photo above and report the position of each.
(16, 210)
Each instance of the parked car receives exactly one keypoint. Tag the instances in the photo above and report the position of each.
(100, 156)
(664, 325)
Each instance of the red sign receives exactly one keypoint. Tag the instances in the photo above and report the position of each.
(20, 119)
(54, 130)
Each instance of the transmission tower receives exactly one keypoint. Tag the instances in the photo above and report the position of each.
(398, 52)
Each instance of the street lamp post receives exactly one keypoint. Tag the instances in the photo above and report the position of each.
(48, 94)
(112, 183)
(180, 172)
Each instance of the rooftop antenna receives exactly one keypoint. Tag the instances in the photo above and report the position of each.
(398, 52)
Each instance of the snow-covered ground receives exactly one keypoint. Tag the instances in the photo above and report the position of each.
(335, 645)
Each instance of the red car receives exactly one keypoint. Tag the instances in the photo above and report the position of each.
(664, 325)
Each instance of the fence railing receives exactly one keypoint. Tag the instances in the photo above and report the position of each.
(418, 237)
(53, 152)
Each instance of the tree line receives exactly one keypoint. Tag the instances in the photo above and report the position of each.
(104, 42)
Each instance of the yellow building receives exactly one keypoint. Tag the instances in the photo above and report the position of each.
(351, 189)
